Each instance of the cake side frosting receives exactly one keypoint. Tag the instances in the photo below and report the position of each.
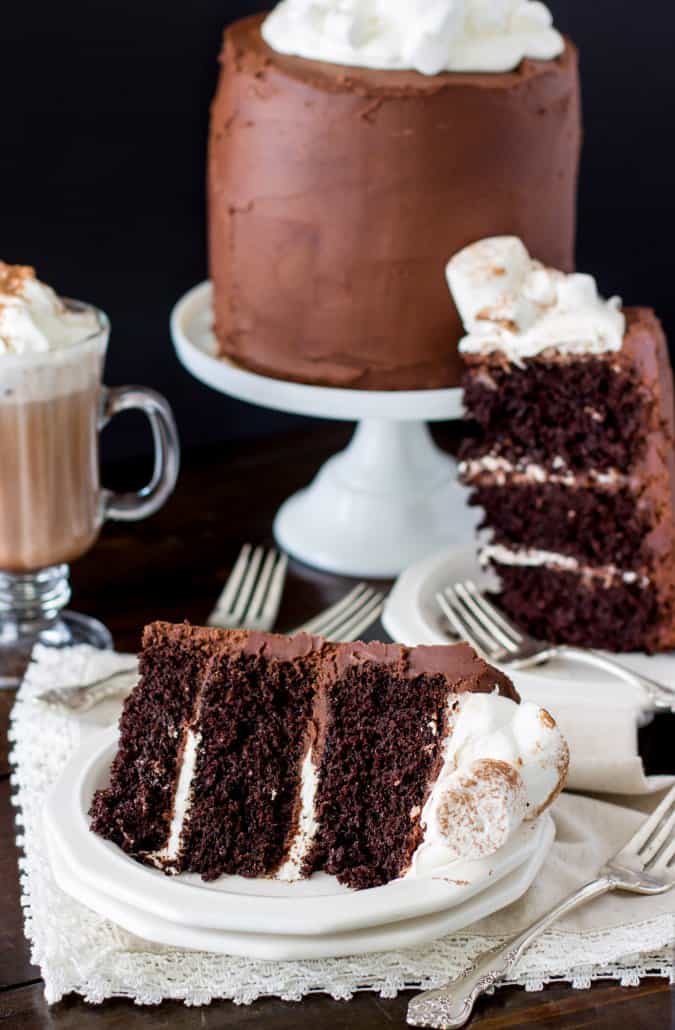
(431, 36)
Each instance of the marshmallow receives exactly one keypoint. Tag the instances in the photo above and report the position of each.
(503, 763)
(511, 303)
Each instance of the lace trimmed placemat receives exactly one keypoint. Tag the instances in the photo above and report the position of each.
(618, 937)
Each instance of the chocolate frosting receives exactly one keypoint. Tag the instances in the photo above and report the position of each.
(337, 196)
(458, 663)
(645, 348)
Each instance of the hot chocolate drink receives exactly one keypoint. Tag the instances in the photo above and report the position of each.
(51, 355)
(52, 405)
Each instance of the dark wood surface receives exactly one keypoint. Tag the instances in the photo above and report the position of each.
(172, 567)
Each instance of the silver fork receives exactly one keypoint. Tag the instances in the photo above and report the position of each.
(252, 595)
(501, 642)
(643, 866)
(250, 600)
(349, 618)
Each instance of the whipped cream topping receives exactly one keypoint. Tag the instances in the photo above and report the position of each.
(502, 763)
(514, 304)
(34, 319)
(429, 36)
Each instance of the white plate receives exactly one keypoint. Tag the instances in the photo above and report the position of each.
(311, 907)
(285, 948)
(412, 617)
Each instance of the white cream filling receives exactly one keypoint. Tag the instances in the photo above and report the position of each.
(182, 802)
(502, 470)
(487, 728)
(307, 824)
(532, 558)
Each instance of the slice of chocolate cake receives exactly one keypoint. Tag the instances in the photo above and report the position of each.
(571, 452)
(259, 755)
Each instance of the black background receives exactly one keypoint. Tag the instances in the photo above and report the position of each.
(104, 117)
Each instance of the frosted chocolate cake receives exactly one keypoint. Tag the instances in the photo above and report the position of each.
(259, 755)
(572, 455)
(353, 146)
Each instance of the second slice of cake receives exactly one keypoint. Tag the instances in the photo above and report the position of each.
(572, 451)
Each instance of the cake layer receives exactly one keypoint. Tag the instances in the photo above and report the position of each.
(586, 412)
(336, 195)
(254, 731)
(570, 608)
(382, 749)
(137, 808)
(596, 526)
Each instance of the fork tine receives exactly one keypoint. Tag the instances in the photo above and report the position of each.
(260, 592)
(666, 857)
(362, 621)
(275, 592)
(465, 594)
(661, 836)
(231, 588)
(332, 626)
(315, 625)
(465, 626)
(497, 617)
(246, 588)
(651, 825)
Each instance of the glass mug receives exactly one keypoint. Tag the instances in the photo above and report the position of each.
(52, 505)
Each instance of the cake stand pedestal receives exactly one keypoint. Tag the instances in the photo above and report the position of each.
(389, 499)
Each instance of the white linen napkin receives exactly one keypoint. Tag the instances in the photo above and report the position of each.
(622, 937)
(600, 721)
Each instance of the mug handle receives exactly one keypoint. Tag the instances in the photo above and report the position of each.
(133, 506)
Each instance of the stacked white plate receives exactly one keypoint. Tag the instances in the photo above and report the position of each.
(412, 616)
(266, 919)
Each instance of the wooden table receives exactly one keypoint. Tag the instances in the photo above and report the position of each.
(171, 567)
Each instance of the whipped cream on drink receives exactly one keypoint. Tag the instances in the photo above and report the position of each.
(34, 319)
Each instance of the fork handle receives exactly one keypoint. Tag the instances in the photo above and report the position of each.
(452, 1006)
(659, 694)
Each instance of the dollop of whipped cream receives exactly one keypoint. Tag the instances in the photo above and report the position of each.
(511, 303)
(33, 318)
(503, 763)
(430, 36)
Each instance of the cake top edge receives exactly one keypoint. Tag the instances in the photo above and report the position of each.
(480, 36)
(511, 303)
(246, 48)
(458, 662)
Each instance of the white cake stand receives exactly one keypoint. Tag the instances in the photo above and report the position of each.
(388, 500)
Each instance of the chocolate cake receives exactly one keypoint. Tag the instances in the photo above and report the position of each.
(336, 191)
(259, 755)
(571, 452)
